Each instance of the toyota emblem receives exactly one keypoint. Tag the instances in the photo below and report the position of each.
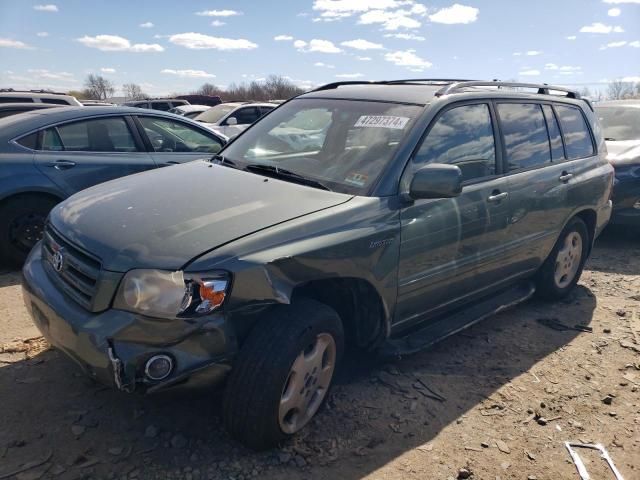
(57, 261)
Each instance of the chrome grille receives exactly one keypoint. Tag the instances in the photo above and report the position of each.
(75, 271)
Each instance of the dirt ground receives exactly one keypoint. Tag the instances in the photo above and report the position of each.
(497, 401)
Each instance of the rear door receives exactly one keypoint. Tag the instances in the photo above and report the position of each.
(449, 246)
(173, 141)
(535, 164)
(77, 155)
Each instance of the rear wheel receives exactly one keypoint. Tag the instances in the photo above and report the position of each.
(283, 373)
(21, 226)
(561, 271)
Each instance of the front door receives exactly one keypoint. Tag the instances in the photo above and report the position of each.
(81, 154)
(448, 244)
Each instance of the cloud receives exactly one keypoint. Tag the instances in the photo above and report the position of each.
(42, 34)
(361, 44)
(517, 54)
(8, 43)
(199, 41)
(345, 8)
(550, 66)
(188, 73)
(46, 8)
(533, 53)
(217, 23)
(571, 37)
(598, 27)
(631, 79)
(108, 70)
(390, 20)
(454, 14)
(614, 45)
(146, 25)
(405, 36)
(529, 73)
(570, 70)
(322, 64)
(635, 44)
(218, 13)
(48, 75)
(283, 38)
(407, 58)
(316, 45)
(614, 12)
(617, 2)
(350, 75)
(115, 43)
(365, 59)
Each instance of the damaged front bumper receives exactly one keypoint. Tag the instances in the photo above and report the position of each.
(114, 346)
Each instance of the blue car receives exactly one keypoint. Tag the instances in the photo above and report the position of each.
(620, 120)
(48, 155)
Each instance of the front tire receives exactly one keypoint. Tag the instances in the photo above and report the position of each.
(561, 271)
(283, 373)
(22, 221)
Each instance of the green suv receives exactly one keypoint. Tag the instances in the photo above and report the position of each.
(371, 215)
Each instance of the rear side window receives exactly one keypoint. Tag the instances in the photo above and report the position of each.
(462, 136)
(246, 115)
(29, 141)
(577, 138)
(55, 101)
(168, 135)
(51, 140)
(164, 106)
(99, 135)
(525, 135)
(555, 140)
(16, 100)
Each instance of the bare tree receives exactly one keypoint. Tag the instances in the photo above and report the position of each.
(98, 88)
(209, 89)
(133, 91)
(618, 90)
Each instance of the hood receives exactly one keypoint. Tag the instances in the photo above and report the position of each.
(166, 217)
(623, 153)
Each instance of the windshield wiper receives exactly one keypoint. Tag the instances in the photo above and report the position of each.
(222, 160)
(277, 172)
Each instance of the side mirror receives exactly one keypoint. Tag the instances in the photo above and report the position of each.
(436, 181)
(232, 121)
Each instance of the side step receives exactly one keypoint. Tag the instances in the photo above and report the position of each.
(436, 331)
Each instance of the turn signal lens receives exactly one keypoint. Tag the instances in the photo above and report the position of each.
(212, 295)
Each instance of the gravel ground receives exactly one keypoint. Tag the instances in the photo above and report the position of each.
(494, 402)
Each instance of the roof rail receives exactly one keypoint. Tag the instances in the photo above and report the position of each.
(331, 86)
(543, 88)
(430, 80)
(12, 90)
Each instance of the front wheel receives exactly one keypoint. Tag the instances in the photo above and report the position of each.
(561, 271)
(283, 373)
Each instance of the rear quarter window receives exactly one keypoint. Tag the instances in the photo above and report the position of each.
(29, 141)
(54, 101)
(577, 137)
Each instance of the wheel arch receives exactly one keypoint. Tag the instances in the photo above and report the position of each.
(590, 218)
(31, 193)
(360, 306)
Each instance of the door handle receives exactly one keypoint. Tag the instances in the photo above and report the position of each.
(496, 197)
(565, 177)
(62, 164)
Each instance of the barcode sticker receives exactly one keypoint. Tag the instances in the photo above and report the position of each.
(382, 121)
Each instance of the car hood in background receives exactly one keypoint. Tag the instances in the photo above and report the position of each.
(164, 218)
(623, 153)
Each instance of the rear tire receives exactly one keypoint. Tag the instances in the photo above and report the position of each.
(562, 269)
(22, 221)
(283, 373)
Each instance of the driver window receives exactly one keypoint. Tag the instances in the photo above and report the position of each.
(462, 136)
(174, 136)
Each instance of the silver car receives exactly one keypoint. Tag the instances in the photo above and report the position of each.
(231, 118)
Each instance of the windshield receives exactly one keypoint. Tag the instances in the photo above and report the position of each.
(214, 114)
(620, 123)
(342, 144)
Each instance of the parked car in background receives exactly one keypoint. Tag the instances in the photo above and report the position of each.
(48, 155)
(428, 207)
(620, 120)
(189, 111)
(162, 104)
(232, 118)
(97, 103)
(210, 100)
(9, 95)
(8, 109)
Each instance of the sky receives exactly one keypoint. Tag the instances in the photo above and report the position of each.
(176, 46)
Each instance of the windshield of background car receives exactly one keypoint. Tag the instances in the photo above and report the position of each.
(343, 144)
(620, 123)
(214, 114)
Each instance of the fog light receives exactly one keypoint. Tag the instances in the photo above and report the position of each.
(158, 367)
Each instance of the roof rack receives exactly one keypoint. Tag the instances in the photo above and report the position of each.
(543, 88)
(435, 81)
(11, 90)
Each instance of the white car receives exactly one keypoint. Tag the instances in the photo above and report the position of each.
(9, 95)
(231, 118)
(189, 111)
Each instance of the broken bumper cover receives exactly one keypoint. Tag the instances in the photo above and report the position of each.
(114, 346)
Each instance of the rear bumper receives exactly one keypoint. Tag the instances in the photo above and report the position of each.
(113, 346)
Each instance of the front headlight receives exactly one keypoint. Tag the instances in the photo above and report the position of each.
(158, 293)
